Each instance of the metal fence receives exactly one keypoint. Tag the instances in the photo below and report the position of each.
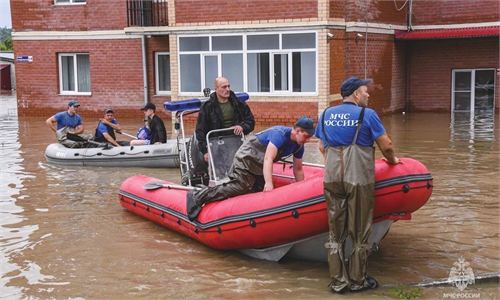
(143, 13)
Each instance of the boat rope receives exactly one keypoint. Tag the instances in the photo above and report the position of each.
(230, 219)
(111, 155)
(402, 179)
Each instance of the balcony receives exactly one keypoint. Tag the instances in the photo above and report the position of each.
(144, 13)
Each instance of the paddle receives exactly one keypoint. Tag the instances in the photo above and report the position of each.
(126, 134)
(158, 184)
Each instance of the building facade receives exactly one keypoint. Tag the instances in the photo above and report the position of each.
(289, 56)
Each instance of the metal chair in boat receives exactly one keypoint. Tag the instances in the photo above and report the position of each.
(221, 150)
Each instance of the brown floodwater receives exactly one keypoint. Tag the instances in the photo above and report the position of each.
(64, 234)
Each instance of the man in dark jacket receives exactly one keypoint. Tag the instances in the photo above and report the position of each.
(155, 126)
(222, 110)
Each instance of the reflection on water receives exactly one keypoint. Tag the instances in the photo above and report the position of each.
(472, 130)
(64, 234)
(16, 234)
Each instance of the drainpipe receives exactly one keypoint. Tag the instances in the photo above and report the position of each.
(145, 70)
(410, 4)
(366, 36)
(366, 46)
(408, 45)
(408, 78)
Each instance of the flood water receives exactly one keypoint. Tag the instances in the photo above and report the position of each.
(64, 234)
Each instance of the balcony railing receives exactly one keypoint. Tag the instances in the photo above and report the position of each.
(143, 13)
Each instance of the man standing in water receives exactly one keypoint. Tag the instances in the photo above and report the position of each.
(347, 133)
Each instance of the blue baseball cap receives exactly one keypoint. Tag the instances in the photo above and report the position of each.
(306, 123)
(73, 103)
(351, 85)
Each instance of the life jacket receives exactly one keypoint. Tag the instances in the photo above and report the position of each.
(102, 139)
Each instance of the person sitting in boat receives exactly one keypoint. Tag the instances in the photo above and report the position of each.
(252, 169)
(158, 133)
(66, 122)
(222, 110)
(346, 135)
(105, 131)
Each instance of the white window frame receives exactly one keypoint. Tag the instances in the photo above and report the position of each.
(245, 52)
(157, 77)
(69, 2)
(472, 91)
(75, 74)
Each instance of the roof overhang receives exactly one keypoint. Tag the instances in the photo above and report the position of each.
(449, 33)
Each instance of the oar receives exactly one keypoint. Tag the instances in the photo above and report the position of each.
(158, 184)
(126, 134)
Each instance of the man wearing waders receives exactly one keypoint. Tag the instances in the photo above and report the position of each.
(252, 169)
(346, 134)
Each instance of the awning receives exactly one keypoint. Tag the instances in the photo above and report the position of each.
(454, 33)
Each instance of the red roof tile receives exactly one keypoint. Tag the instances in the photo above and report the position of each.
(447, 33)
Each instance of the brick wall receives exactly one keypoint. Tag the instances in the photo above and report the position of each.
(116, 77)
(455, 12)
(337, 60)
(268, 114)
(376, 11)
(208, 11)
(153, 45)
(43, 15)
(380, 66)
(276, 113)
(431, 68)
(399, 78)
(116, 65)
(337, 9)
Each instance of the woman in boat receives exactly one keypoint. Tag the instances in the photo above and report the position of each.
(253, 164)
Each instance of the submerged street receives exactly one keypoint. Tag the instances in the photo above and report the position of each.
(64, 234)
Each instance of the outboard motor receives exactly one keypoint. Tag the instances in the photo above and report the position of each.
(197, 167)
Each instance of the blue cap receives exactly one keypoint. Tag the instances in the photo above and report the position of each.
(351, 85)
(306, 123)
(73, 103)
(109, 110)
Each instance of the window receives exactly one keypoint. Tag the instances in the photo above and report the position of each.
(274, 63)
(162, 73)
(74, 74)
(70, 1)
(473, 90)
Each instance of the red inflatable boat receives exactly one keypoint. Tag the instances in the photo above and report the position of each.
(291, 213)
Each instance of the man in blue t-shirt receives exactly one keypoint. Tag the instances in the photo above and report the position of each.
(105, 131)
(67, 122)
(347, 133)
(252, 169)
